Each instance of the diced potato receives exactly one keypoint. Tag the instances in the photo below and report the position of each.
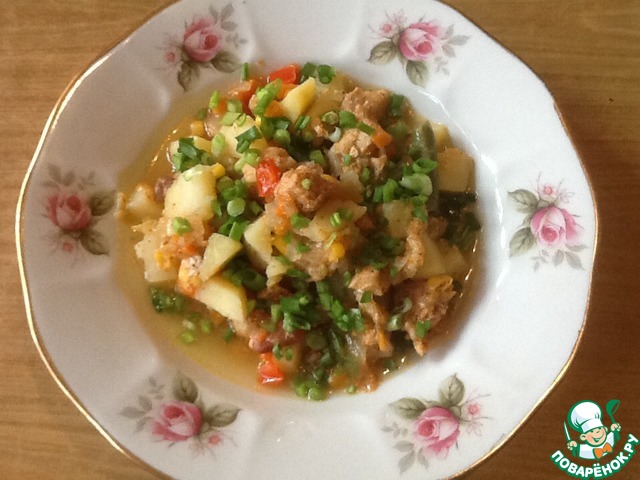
(191, 194)
(455, 170)
(398, 214)
(299, 99)
(154, 233)
(220, 250)
(142, 204)
(434, 263)
(230, 133)
(320, 228)
(259, 242)
(455, 264)
(228, 299)
(441, 134)
(275, 271)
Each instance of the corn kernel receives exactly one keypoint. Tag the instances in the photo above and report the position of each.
(280, 244)
(337, 251)
(217, 170)
(197, 128)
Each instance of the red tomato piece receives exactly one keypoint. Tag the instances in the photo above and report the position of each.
(269, 372)
(288, 74)
(243, 92)
(267, 177)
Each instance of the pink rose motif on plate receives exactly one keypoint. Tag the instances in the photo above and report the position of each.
(74, 207)
(202, 39)
(69, 211)
(429, 429)
(548, 226)
(417, 45)
(177, 421)
(437, 429)
(207, 42)
(181, 416)
(418, 41)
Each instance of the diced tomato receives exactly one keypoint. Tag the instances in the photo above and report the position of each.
(288, 74)
(243, 92)
(268, 370)
(381, 138)
(267, 177)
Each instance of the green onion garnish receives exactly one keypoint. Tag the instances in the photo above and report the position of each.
(299, 221)
(181, 225)
(326, 73)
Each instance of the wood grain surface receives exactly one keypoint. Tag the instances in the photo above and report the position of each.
(588, 54)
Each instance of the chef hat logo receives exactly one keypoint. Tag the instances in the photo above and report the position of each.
(585, 416)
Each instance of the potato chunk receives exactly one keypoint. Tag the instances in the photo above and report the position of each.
(228, 299)
(220, 250)
(455, 170)
(298, 100)
(191, 194)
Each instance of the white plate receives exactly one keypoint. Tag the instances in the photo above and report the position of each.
(517, 329)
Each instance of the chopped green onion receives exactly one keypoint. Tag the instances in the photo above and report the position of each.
(335, 135)
(395, 105)
(299, 221)
(316, 156)
(229, 118)
(308, 70)
(326, 73)
(282, 137)
(306, 183)
(368, 129)
(418, 183)
(394, 323)
(244, 73)
(422, 328)
(302, 122)
(234, 105)
(202, 114)
(236, 207)
(228, 334)
(167, 302)
(389, 190)
(347, 119)
(246, 138)
(266, 95)
(335, 219)
(216, 207)
(365, 176)
(237, 230)
(366, 297)
(187, 337)
(206, 326)
(331, 118)
(217, 145)
(351, 389)
(214, 100)
(302, 248)
(181, 225)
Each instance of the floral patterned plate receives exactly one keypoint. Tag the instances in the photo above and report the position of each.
(515, 333)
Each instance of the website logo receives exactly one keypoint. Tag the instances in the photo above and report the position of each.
(591, 440)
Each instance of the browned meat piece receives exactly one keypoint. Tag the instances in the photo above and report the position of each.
(367, 104)
(377, 338)
(291, 191)
(436, 227)
(317, 263)
(262, 341)
(407, 265)
(280, 157)
(429, 302)
(369, 279)
(160, 188)
(273, 293)
(356, 143)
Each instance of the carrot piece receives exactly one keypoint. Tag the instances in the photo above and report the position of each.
(381, 138)
(269, 373)
(288, 74)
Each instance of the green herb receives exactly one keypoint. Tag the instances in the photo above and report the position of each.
(246, 138)
(214, 100)
(266, 95)
(331, 118)
(217, 145)
(335, 219)
(316, 156)
(234, 105)
(282, 137)
(181, 225)
(236, 207)
(229, 118)
(202, 114)
(365, 128)
(347, 119)
(394, 323)
(237, 230)
(326, 73)
(395, 105)
(299, 221)
(346, 159)
(422, 328)
(188, 155)
(302, 122)
(306, 183)
(302, 248)
(308, 70)
(187, 337)
(244, 72)
(167, 302)
(366, 297)
(228, 335)
(418, 183)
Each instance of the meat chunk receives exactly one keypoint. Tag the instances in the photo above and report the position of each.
(304, 188)
(429, 303)
(376, 339)
(407, 265)
(367, 104)
(371, 280)
(281, 158)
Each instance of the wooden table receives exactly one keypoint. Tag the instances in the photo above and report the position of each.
(587, 52)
